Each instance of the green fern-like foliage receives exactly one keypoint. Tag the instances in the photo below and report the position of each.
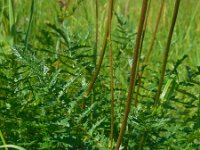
(44, 76)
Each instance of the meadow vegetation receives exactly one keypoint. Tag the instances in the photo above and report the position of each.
(97, 74)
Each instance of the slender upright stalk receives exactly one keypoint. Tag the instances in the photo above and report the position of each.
(96, 47)
(142, 139)
(140, 52)
(164, 16)
(11, 16)
(141, 46)
(198, 112)
(110, 7)
(3, 140)
(149, 52)
(126, 8)
(29, 25)
(95, 51)
(133, 73)
(144, 28)
(111, 85)
(166, 53)
(112, 96)
(97, 33)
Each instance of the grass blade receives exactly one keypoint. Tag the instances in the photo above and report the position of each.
(12, 146)
(29, 24)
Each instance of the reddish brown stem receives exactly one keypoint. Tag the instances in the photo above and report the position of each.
(166, 53)
(110, 3)
(149, 51)
(111, 84)
(112, 91)
(141, 46)
(133, 74)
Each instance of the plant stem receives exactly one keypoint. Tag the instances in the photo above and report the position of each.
(111, 85)
(110, 7)
(96, 46)
(141, 142)
(149, 51)
(166, 53)
(141, 46)
(126, 8)
(133, 74)
(97, 33)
